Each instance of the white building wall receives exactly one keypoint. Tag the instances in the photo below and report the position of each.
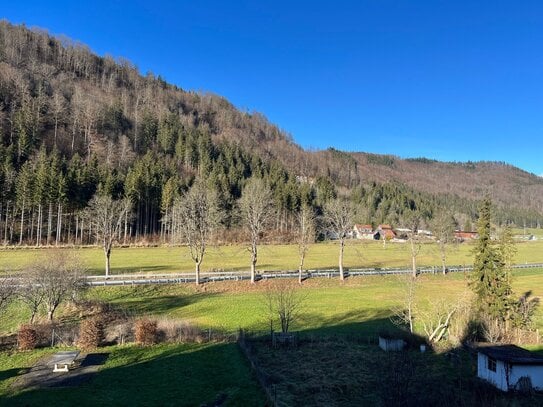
(497, 378)
(535, 373)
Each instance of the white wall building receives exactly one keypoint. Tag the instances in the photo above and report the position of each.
(504, 365)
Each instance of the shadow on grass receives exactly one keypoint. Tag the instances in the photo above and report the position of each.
(176, 375)
(152, 299)
(328, 367)
(9, 373)
(337, 365)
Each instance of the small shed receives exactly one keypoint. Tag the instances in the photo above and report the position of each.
(507, 367)
(391, 344)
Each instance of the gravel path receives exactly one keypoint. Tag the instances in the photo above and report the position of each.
(41, 375)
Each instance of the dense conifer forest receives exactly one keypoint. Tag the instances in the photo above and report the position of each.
(73, 124)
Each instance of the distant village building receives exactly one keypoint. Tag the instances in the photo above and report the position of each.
(364, 232)
(509, 367)
(386, 232)
(461, 235)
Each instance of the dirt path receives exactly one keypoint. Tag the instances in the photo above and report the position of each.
(41, 375)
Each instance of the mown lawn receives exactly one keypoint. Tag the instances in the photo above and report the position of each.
(166, 375)
(167, 259)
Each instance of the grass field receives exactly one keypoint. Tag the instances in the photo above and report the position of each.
(168, 375)
(271, 257)
(529, 231)
(360, 306)
(360, 303)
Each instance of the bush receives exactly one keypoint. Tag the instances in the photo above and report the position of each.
(145, 331)
(91, 333)
(172, 330)
(27, 337)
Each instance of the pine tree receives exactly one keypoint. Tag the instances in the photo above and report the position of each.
(490, 281)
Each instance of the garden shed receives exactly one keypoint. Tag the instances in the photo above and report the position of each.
(389, 344)
(509, 367)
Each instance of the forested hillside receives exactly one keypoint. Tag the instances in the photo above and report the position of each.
(73, 124)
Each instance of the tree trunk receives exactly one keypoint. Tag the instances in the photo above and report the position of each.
(107, 252)
(56, 127)
(22, 223)
(443, 265)
(49, 223)
(59, 224)
(254, 254)
(38, 226)
(341, 247)
(125, 227)
(300, 268)
(197, 276)
(413, 258)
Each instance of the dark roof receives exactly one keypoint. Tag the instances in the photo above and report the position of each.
(511, 354)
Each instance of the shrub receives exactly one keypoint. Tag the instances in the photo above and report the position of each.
(91, 333)
(172, 330)
(145, 331)
(27, 337)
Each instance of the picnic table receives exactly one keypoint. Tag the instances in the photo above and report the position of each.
(63, 360)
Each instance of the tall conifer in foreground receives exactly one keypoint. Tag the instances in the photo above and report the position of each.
(490, 281)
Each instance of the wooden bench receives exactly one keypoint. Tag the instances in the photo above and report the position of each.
(63, 360)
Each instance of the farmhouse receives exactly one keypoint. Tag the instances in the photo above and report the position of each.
(364, 232)
(385, 232)
(461, 235)
(509, 367)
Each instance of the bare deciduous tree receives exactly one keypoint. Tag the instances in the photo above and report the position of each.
(339, 215)
(58, 106)
(436, 319)
(306, 234)
(59, 275)
(31, 294)
(414, 239)
(7, 291)
(197, 215)
(256, 210)
(444, 226)
(106, 216)
(283, 302)
(405, 314)
(54, 278)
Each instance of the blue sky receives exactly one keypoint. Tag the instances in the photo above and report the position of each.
(451, 80)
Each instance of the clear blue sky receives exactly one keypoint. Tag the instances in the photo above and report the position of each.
(451, 80)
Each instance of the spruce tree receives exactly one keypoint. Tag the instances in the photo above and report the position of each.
(490, 280)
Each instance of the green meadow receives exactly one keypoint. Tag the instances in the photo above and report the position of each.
(168, 259)
(197, 374)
